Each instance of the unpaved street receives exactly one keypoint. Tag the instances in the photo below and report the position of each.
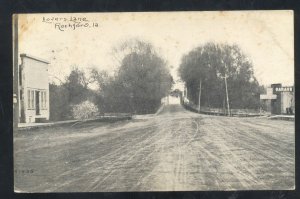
(174, 150)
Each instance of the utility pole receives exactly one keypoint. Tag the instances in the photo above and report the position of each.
(16, 77)
(225, 79)
(186, 94)
(227, 98)
(167, 102)
(199, 97)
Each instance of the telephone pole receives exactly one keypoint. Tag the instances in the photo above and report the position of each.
(227, 98)
(199, 97)
(15, 73)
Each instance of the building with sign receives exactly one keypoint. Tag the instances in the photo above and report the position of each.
(33, 86)
(279, 99)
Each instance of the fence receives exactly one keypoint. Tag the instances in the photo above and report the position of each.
(223, 111)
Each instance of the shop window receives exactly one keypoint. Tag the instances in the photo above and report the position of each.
(32, 100)
(45, 99)
(29, 99)
(42, 99)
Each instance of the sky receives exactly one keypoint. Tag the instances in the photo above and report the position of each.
(266, 37)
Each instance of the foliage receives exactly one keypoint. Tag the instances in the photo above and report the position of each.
(77, 86)
(211, 63)
(71, 92)
(100, 77)
(140, 83)
(84, 110)
(59, 103)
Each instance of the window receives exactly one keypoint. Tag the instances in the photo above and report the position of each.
(42, 99)
(43, 102)
(32, 100)
(45, 99)
(20, 76)
(28, 98)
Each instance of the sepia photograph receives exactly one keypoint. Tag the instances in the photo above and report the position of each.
(154, 101)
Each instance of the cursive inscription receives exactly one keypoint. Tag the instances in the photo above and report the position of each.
(72, 23)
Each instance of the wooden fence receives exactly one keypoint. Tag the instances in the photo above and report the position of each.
(222, 111)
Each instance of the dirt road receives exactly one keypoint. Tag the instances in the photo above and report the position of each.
(174, 150)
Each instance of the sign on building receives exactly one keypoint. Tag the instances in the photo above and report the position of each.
(279, 100)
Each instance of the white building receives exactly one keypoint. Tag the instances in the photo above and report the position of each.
(279, 99)
(33, 86)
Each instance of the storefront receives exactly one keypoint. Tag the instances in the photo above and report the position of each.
(279, 100)
(33, 89)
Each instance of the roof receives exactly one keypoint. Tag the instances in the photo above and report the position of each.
(35, 58)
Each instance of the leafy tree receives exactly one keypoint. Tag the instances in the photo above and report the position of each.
(100, 77)
(77, 86)
(131, 46)
(70, 93)
(59, 102)
(138, 86)
(211, 63)
(140, 82)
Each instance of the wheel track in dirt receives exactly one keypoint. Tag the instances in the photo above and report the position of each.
(174, 151)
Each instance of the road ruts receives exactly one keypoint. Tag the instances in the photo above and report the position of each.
(175, 150)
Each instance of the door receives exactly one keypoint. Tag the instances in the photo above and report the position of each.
(37, 102)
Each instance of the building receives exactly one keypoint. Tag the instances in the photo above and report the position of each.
(33, 87)
(185, 99)
(279, 99)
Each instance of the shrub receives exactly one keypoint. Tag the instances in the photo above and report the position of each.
(84, 110)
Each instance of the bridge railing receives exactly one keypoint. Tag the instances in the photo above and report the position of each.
(222, 111)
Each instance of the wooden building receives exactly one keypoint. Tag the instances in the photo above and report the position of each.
(279, 99)
(33, 87)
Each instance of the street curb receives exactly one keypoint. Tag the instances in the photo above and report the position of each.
(62, 123)
(282, 118)
(160, 109)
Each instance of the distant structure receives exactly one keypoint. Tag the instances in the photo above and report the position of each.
(175, 97)
(33, 86)
(279, 99)
(185, 95)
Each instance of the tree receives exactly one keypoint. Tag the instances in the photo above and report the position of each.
(211, 63)
(140, 82)
(196, 67)
(130, 46)
(100, 77)
(59, 102)
(70, 93)
(77, 86)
